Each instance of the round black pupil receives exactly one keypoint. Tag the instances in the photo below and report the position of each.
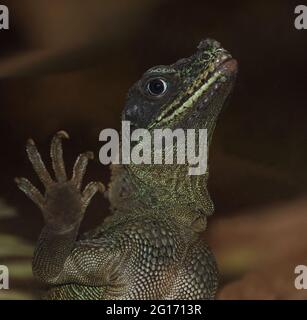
(156, 86)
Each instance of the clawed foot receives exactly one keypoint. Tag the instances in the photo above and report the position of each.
(63, 204)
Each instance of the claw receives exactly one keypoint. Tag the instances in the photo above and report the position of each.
(37, 163)
(90, 155)
(90, 191)
(30, 142)
(62, 134)
(27, 187)
(80, 168)
(56, 153)
(101, 187)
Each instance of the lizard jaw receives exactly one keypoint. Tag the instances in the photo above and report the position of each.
(223, 70)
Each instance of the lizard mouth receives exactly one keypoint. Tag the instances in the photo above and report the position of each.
(228, 66)
(222, 71)
(220, 75)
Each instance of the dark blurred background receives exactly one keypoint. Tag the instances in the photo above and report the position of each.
(68, 65)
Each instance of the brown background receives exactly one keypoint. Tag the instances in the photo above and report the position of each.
(68, 65)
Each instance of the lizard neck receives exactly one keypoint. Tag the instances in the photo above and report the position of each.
(145, 188)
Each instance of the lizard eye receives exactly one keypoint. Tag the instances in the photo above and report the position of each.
(156, 87)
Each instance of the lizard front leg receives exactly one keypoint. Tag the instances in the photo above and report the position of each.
(63, 207)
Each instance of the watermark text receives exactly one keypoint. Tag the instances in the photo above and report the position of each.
(4, 17)
(300, 21)
(4, 277)
(162, 146)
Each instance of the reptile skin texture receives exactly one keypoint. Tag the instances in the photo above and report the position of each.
(152, 244)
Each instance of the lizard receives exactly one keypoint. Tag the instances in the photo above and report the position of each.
(152, 245)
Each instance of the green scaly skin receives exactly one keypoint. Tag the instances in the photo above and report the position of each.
(152, 246)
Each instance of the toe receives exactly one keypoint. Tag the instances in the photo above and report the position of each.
(37, 163)
(27, 187)
(56, 153)
(80, 168)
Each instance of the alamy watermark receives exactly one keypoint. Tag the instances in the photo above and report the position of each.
(301, 280)
(300, 21)
(4, 17)
(4, 277)
(162, 146)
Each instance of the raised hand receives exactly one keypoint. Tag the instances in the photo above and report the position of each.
(63, 204)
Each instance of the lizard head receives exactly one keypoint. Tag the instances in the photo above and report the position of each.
(187, 94)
